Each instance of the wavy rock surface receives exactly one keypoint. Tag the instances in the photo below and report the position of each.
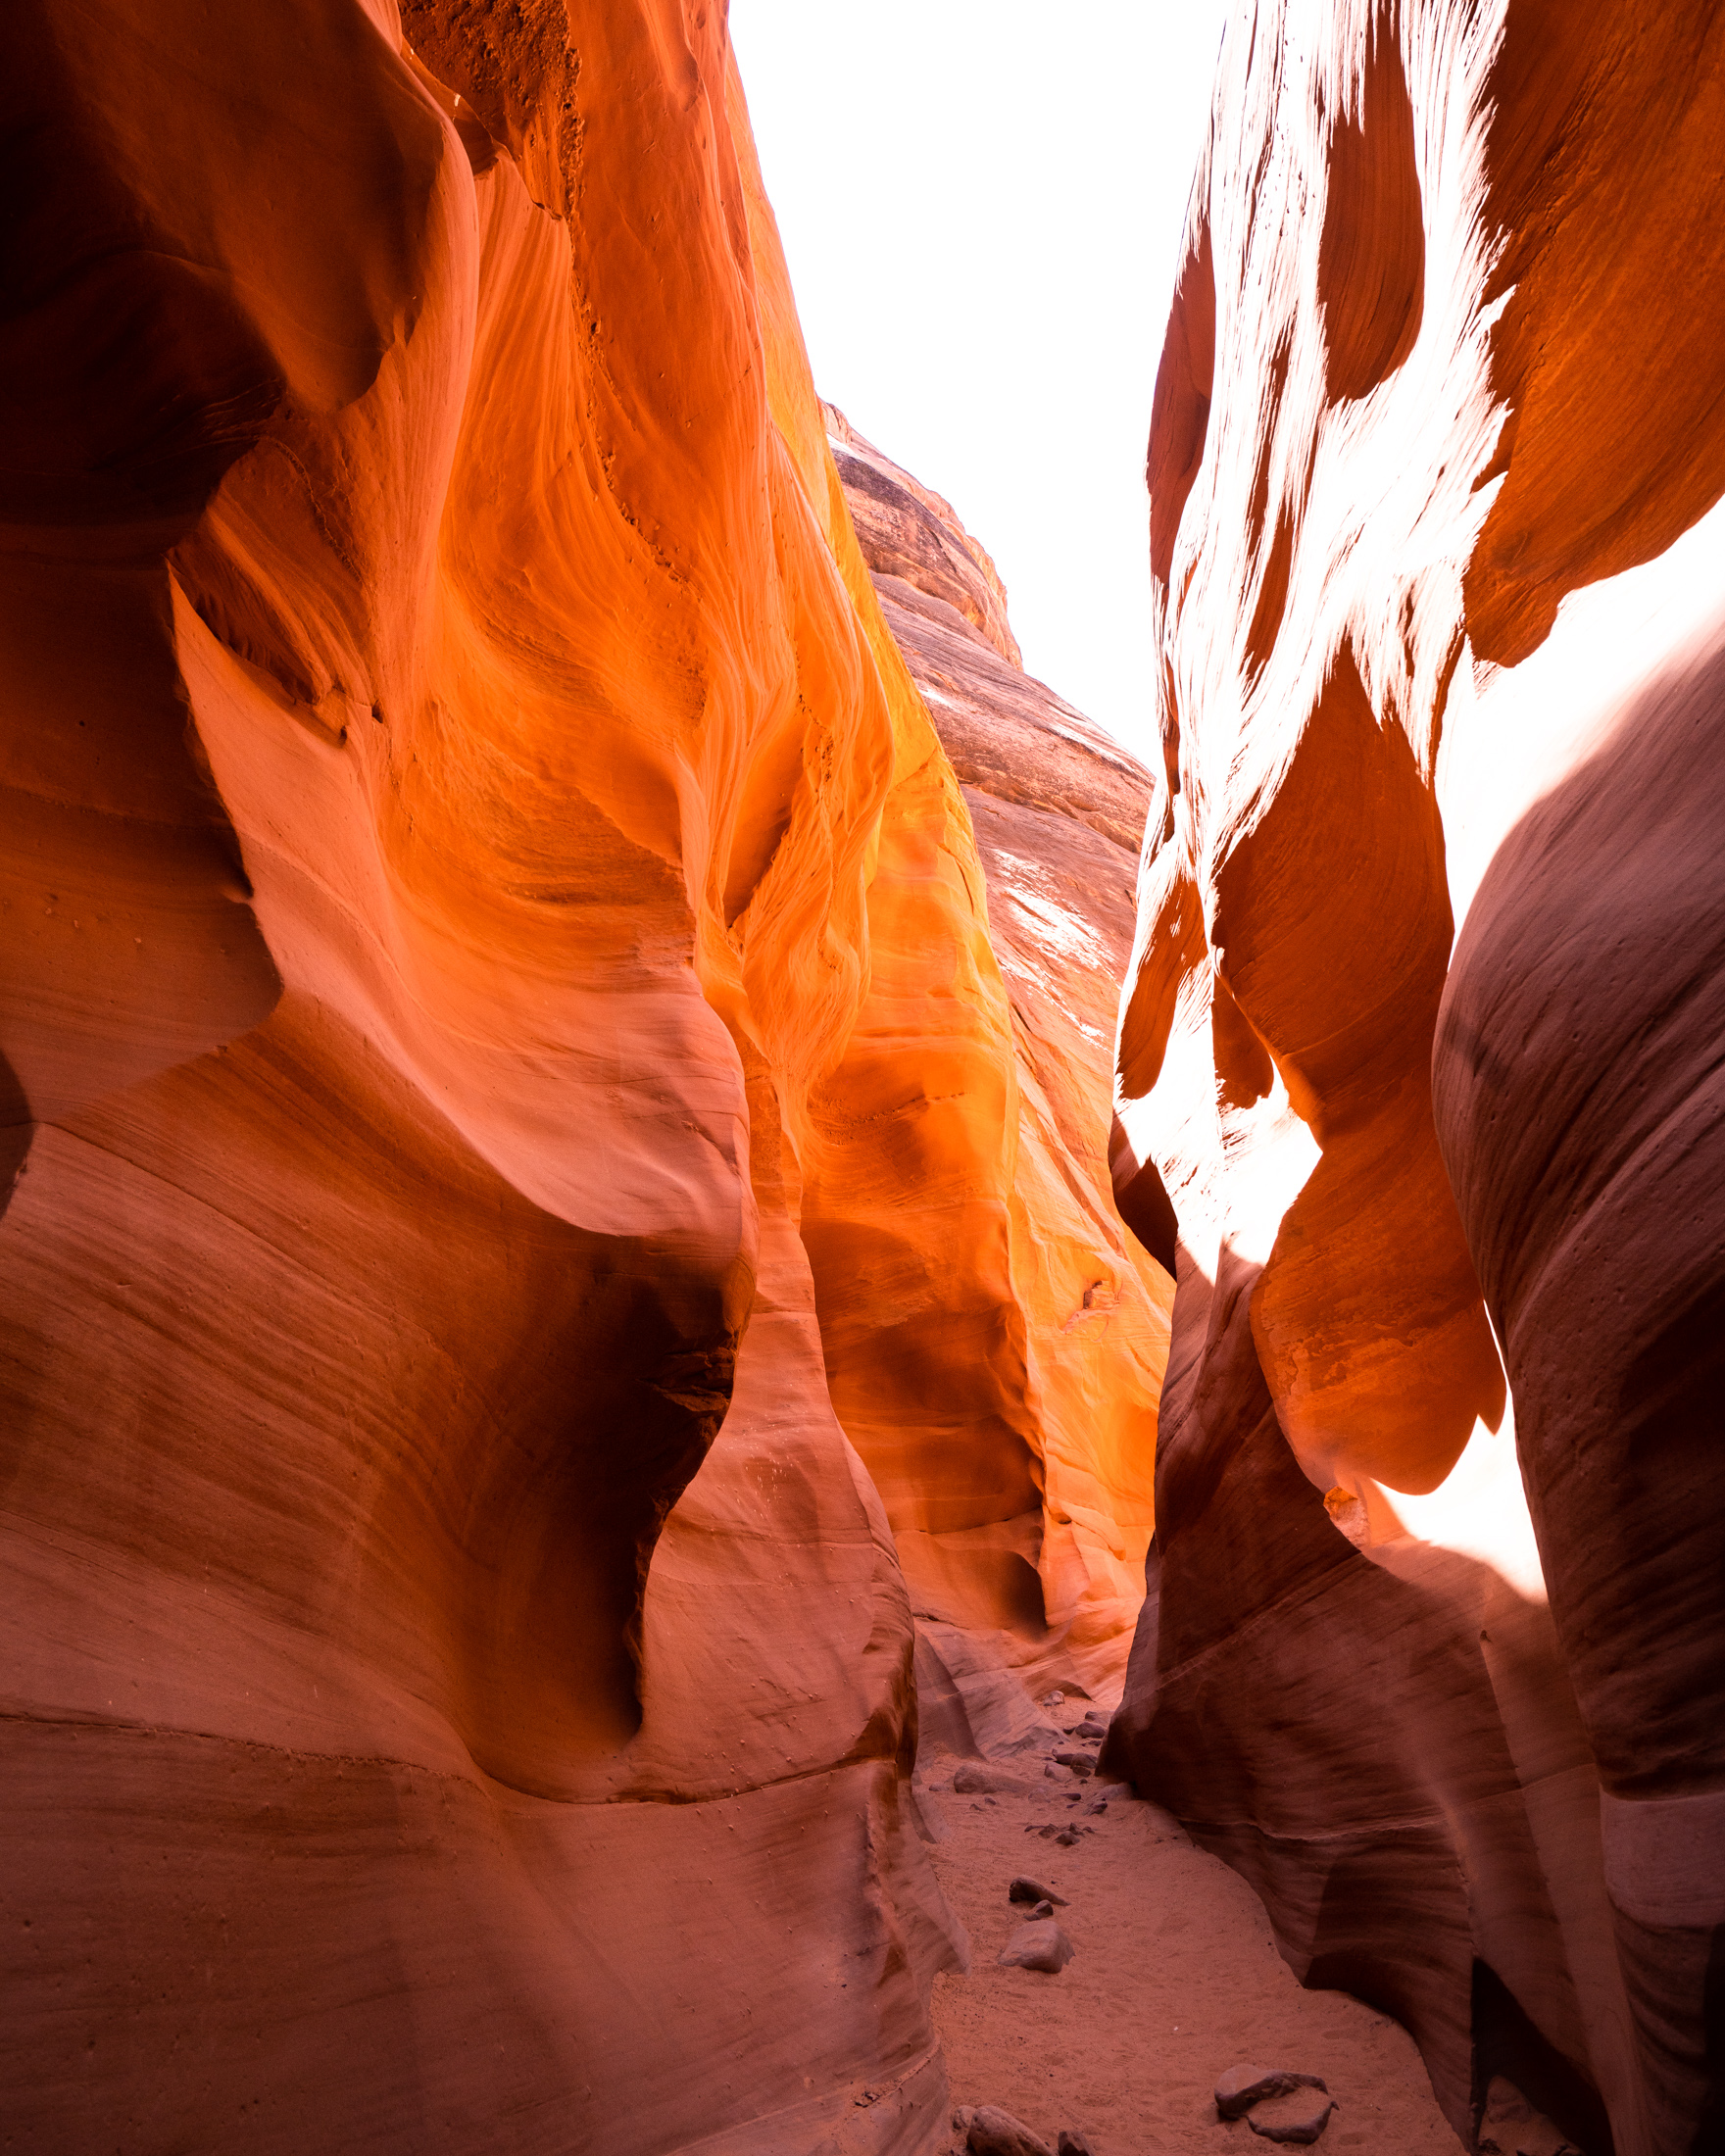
(1445, 351)
(506, 1077)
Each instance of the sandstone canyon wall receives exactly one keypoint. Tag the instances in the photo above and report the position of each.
(538, 1233)
(1444, 357)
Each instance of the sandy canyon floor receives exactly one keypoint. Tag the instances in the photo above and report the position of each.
(1175, 1979)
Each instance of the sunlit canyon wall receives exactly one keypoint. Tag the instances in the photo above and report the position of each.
(544, 1239)
(1438, 424)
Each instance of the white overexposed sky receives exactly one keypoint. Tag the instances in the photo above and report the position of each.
(981, 202)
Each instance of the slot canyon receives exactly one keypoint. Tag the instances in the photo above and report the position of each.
(688, 1274)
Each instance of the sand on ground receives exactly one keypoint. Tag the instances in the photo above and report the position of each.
(1176, 1978)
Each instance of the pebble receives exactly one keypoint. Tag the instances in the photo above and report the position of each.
(1066, 1840)
(1074, 2144)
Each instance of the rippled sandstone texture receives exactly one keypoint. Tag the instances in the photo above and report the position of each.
(1446, 349)
(494, 949)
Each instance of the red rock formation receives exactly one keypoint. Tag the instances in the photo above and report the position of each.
(1445, 349)
(481, 879)
(913, 542)
(393, 1208)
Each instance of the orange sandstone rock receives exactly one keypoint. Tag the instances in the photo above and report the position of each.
(459, 1672)
(533, 1207)
(1429, 250)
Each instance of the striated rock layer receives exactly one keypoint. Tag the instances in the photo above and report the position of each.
(507, 1100)
(1445, 350)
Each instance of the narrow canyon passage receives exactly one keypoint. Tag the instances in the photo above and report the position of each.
(1176, 1978)
(656, 1211)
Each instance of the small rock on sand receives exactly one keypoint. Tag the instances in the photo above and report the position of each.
(1074, 2144)
(1041, 1945)
(995, 2133)
(1242, 2087)
(971, 1781)
(1028, 1890)
(1295, 2120)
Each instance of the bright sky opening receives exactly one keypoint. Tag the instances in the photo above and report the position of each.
(982, 208)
